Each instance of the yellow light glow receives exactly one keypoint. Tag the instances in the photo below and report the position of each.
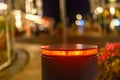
(30, 0)
(34, 11)
(78, 16)
(69, 53)
(106, 12)
(3, 6)
(112, 25)
(112, 10)
(76, 22)
(112, 0)
(117, 12)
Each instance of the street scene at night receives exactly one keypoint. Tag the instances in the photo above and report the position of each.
(28, 28)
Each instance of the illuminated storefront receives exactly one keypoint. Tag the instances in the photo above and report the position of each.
(107, 14)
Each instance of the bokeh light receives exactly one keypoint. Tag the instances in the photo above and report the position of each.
(112, 10)
(78, 16)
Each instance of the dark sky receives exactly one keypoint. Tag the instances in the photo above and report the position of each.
(73, 7)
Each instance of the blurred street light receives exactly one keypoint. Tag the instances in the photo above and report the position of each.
(79, 22)
(112, 0)
(98, 10)
(78, 16)
(3, 6)
(112, 10)
(18, 22)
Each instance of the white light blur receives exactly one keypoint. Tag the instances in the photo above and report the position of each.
(114, 22)
(28, 5)
(99, 9)
(79, 22)
(18, 15)
(34, 18)
(79, 46)
(39, 3)
(112, 10)
(3, 6)
(39, 7)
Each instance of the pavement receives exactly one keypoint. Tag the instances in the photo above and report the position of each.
(96, 38)
(32, 70)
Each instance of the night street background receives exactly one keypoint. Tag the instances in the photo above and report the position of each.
(73, 7)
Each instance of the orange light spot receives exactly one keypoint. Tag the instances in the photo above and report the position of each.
(69, 53)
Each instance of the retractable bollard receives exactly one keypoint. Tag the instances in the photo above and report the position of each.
(69, 62)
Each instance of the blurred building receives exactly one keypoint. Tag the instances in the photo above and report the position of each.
(104, 4)
(96, 3)
(33, 7)
(106, 13)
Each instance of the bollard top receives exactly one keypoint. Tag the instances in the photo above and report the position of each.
(69, 50)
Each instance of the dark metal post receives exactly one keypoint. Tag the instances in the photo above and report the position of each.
(62, 4)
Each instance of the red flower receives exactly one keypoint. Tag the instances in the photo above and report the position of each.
(110, 47)
(104, 56)
(109, 51)
(109, 59)
(100, 58)
(117, 44)
(113, 54)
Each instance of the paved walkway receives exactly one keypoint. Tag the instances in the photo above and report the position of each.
(33, 69)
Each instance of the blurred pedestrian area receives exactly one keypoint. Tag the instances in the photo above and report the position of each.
(74, 34)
